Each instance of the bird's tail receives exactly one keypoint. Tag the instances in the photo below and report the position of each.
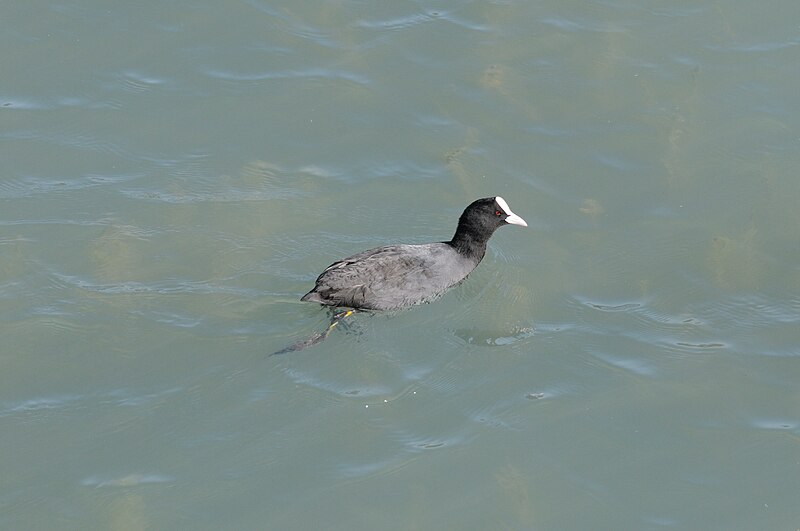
(317, 337)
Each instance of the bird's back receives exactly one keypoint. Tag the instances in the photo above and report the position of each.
(392, 277)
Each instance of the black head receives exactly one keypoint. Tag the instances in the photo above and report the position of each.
(479, 221)
(487, 214)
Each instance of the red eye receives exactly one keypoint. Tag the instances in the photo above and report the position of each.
(497, 213)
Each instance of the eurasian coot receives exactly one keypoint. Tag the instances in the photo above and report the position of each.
(396, 276)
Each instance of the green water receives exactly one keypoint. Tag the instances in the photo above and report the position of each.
(175, 175)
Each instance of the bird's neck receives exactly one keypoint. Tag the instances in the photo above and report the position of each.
(466, 243)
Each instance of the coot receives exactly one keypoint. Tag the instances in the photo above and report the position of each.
(396, 276)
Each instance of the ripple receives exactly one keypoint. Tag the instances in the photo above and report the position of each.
(700, 346)
(417, 443)
(686, 333)
(16, 103)
(571, 25)
(622, 307)
(131, 480)
(432, 443)
(535, 396)
(122, 397)
(222, 196)
(757, 47)
(361, 470)
(445, 381)
(753, 311)
(496, 417)
(490, 338)
(58, 222)
(49, 321)
(165, 287)
(396, 23)
(137, 82)
(636, 366)
(416, 19)
(256, 181)
(74, 138)
(177, 320)
(776, 424)
(7, 102)
(28, 186)
(300, 377)
(38, 404)
(314, 73)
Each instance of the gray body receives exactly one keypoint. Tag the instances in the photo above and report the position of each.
(391, 277)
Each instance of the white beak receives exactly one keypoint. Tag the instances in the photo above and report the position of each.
(511, 218)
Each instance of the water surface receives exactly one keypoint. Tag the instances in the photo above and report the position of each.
(176, 175)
